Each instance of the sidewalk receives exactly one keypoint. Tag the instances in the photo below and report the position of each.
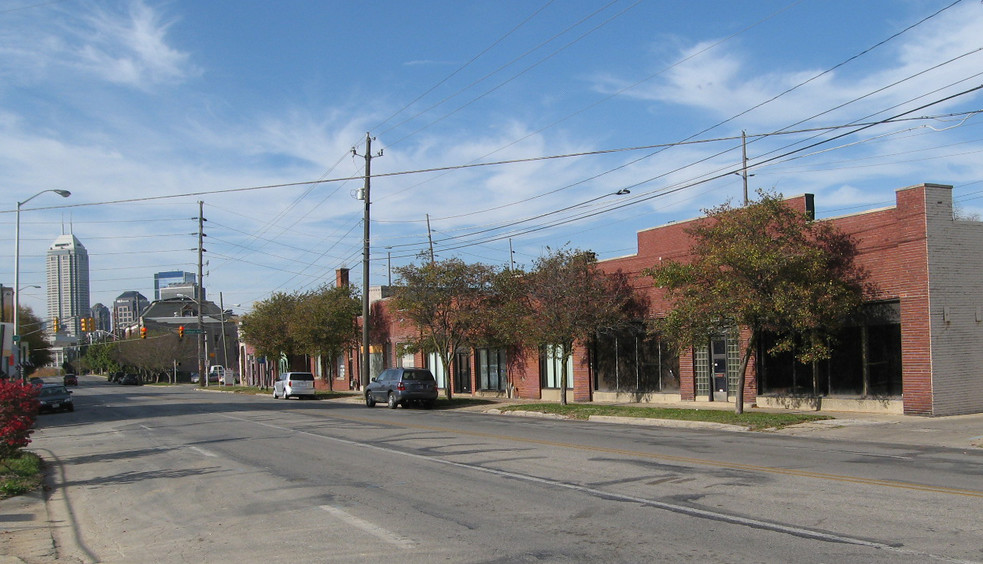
(25, 536)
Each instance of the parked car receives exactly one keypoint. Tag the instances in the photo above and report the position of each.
(55, 397)
(70, 380)
(195, 378)
(404, 386)
(115, 377)
(294, 384)
(130, 380)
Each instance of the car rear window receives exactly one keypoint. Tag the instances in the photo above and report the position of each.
(417, 375)
(301, 376)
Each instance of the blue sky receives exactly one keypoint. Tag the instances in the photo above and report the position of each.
(142, 108)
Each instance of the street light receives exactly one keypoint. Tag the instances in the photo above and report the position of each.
(17, 359)
(202, 377)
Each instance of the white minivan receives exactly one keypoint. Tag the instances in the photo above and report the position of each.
(294, 384)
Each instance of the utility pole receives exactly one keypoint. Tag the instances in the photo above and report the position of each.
(511, 255)
(430, 238)
(202, 377)
(744, 165)
(225, 348)
(364, 372)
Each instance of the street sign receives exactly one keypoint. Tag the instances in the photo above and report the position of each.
(194, 331)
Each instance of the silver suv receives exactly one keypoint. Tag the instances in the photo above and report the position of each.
(294, 384)
(402, 386)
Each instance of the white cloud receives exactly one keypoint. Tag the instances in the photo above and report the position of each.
(131, 48)
(128, 47)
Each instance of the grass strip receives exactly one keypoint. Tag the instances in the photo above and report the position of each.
(754, 420)
(20, 474)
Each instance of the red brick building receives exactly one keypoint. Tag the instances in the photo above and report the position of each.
(917, 348)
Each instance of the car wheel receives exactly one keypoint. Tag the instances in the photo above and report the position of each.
(274, 393)
(392, 401)
(71, 408)
(369, 400)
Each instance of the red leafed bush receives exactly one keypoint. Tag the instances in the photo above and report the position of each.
(18, 411)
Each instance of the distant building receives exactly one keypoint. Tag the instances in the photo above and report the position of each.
(102, 317)
(6, 304)
(68, 283)
(181, 291)
(167, 317)
(127, 310)
(164, 279)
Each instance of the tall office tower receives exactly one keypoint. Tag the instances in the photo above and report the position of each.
(68, 283)
(127, 310)
(165, 279)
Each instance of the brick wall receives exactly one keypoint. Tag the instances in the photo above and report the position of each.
(955, 266)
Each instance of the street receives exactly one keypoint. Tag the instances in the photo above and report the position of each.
(172, 474)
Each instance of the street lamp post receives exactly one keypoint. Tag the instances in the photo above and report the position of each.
(17, 359)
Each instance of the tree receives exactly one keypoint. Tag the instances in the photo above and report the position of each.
(267, 327)
(763, 267)
(102, 357)
(570, 300)
(323, 323)
(32, 335)
(445, 300)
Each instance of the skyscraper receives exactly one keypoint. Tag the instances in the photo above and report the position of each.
(68, 283)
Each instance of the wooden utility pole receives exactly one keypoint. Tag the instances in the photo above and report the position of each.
(364, 372)
(430, 238)
(202, 377)
(744, 165)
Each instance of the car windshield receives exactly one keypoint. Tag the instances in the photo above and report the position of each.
(53, 391)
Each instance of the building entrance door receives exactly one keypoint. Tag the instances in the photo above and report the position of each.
(462, 372)
(718, 363)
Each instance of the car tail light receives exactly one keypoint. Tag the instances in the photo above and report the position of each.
(401, 386)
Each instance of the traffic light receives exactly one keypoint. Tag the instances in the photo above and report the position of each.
(85, 324)
(55, 325)
(92, 324)
(180, 332)
(143, 332)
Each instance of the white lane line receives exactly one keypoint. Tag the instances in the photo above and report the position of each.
(370, 528)
(203, 452)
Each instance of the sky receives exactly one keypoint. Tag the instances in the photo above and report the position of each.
(500, 130)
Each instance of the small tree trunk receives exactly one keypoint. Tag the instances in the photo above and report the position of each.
(741, 378)
(449, 368)
(563, 376)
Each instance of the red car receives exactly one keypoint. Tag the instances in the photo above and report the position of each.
(70, 380)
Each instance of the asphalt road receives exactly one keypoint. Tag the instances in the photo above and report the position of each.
(170, 474)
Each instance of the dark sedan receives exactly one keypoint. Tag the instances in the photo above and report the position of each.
(70, 380)
(130, 380)
(55, 397)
